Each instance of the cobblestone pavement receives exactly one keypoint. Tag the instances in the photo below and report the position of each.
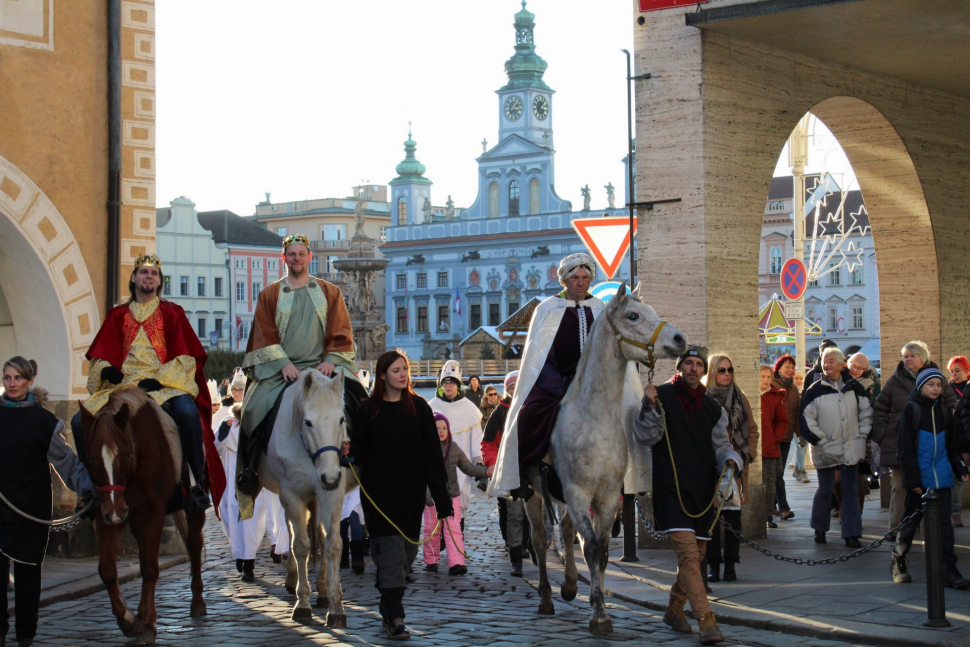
(485, 607)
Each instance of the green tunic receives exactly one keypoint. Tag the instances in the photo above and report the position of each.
(303, 344)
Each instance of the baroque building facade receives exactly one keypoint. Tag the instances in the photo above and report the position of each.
(455, 272)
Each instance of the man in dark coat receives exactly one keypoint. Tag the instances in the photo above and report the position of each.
(689, 430)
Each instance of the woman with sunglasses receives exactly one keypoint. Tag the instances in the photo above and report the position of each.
(489, 402)
(743, 432)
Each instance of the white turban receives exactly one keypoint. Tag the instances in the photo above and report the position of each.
(569, 265)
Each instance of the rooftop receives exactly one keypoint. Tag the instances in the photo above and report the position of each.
(229, 228)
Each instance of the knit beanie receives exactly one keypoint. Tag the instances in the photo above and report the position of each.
(440, 416)
(694, 351)
(928, 374)
(510, 380)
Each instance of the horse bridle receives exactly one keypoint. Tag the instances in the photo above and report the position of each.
(131, 457)
(649, 346)
(326, 448)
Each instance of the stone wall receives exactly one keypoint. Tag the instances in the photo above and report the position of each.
(710, 126)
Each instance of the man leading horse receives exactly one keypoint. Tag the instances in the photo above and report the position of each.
(301, 322)
(148, 342)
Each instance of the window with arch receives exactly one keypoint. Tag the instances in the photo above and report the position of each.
(514, 198)
(402, 211)
(493, 200)
(534, 195)
(775, 260)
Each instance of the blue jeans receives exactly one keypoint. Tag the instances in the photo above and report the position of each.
(822, 505)
(800, 456)
(186, 415)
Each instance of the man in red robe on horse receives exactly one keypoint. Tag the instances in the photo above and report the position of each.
(149, 343)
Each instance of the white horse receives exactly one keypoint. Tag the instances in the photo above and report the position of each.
(590, 443)
(302, 464)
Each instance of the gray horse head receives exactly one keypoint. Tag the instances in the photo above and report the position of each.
(320, 414)
(636, 324)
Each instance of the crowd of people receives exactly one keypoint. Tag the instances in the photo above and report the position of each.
(417, 459)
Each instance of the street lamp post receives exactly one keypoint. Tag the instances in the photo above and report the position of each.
(798, 158)
(629, 164)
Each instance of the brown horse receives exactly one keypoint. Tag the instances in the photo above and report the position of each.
(134, 466)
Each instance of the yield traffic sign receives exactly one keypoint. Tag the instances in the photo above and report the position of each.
(607, 240)
(794, 279)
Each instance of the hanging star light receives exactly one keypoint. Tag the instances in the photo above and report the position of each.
(829, 246)
(851, 256)
(856, 219)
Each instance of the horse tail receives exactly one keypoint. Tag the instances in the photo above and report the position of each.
(182, 526)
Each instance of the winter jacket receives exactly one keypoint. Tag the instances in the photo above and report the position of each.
(870, 382)
(31, 442)
(455, 460)
(487, 408)
(836, 422)
(793, 402)
(475, 396)
(494, 428)
(774, 421)
(888, 406)
(929, 444)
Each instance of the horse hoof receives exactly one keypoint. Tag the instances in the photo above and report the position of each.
(568, 591)
(322, 601)
(302, 614)
(291, 589)
(601, 627)
(547, 608)
(146, 637)
(128, 624)
(198, 609)
(336, 621)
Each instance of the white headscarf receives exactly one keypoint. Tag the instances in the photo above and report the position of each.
(569, 265)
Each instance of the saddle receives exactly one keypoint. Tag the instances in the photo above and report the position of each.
(136, 399)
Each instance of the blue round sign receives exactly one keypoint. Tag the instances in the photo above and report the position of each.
(607, 290)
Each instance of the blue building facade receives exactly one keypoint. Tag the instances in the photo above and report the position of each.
(448, 278)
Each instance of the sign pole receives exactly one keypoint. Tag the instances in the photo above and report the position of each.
(798, 158)
(629, 161)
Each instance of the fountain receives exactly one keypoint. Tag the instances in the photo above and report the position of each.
(361, 267)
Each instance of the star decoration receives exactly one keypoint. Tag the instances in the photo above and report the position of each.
(851, 256)
(832, 227)
(854, 219)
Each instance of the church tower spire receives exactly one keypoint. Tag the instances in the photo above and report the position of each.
(410, 189)
(525, 68)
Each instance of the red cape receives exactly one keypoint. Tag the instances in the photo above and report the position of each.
(180, 339)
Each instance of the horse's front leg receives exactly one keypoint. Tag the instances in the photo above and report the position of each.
(329, 514)
(593, 548)
(296, 514)
(569, 585)
(317, 550)
(195, 542)
(110, 538)
(533, 508)
(148, 533)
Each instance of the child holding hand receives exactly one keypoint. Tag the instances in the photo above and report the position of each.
(455, 459)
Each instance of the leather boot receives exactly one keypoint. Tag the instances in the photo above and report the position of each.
(675, 619)
(730, 575)
(247, 574)
(715, 571)
(899, 572)
(515, 555)
(709, 631)
(357, 556)
(345, 555)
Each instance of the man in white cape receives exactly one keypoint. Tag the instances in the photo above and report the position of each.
(575, 274)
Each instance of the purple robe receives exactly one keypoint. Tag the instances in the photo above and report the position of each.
(537, 417)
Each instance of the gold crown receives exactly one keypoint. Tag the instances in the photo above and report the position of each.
(148, 260)
(296, 238)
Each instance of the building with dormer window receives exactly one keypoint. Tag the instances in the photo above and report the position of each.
(454, 271)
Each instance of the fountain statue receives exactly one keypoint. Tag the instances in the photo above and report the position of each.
(360, 268)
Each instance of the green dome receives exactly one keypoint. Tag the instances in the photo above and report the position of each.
(410, 169)
(525, 68)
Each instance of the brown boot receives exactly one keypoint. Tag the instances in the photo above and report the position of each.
(674, 617)
(710, 634)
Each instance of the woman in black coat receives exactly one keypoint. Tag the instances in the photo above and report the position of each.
(396, 448)
(30, 441)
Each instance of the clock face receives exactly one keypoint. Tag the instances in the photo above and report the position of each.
(540, 107)
(513, 108)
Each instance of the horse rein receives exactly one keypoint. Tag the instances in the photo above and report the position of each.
(649, 346)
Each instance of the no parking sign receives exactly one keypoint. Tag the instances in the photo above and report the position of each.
(794, 279)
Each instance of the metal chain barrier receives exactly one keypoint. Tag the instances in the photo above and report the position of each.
(662, 536)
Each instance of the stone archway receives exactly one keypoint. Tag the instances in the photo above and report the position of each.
(48, 310)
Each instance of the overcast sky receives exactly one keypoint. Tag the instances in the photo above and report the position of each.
(307, 98)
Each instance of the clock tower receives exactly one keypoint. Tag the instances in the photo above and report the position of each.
(525, 102)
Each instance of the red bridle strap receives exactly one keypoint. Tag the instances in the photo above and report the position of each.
(110, 488)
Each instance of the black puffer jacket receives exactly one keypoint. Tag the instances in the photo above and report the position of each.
(888, 406)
